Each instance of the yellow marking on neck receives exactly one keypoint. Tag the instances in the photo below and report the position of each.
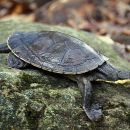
(123, 82)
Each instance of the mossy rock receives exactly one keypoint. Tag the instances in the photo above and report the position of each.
(33, 99)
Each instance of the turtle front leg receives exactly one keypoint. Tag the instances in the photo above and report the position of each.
(16, 62)
(93, 111)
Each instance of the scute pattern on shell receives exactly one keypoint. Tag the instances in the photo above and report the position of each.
(55, 52)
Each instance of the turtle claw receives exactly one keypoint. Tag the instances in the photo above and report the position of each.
(95, 113)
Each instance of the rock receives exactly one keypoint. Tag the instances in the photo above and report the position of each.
(33, 99)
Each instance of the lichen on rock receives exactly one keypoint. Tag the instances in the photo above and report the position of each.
(36, 99)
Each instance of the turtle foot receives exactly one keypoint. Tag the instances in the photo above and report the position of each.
(16, 62)
(94, 113)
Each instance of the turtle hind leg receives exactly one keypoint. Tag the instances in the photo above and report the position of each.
(4, 48)
(93, 111)
(16, 62)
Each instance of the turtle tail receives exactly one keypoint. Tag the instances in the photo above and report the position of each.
(4, 48)
(112, 73)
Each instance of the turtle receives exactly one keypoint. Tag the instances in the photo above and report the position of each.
(63, 54)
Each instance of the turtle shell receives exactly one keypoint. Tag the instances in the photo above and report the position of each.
(55, 52)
